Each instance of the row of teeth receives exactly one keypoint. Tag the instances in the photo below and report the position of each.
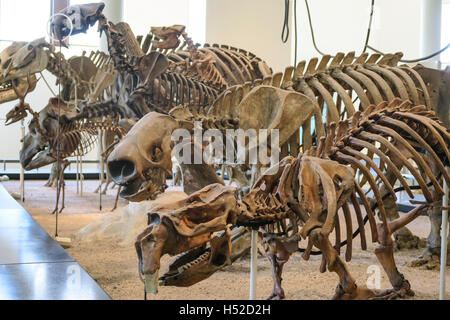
(202, 258)
(5, 86)
(147, 185)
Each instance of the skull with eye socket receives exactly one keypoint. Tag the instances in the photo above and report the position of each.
(76, 19)
(11, 75)
(141, 161)
(22, 59)
(39, 145)
(195, 230)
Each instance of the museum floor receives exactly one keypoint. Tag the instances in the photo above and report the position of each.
(113, 264)
(33, 266)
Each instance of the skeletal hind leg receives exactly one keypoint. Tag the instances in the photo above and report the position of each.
(61, 185)
(347, 288)
(385, 255)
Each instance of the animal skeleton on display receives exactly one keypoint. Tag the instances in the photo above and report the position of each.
(56, 134)
(142, 175)
(150, 83)
(220, 66)
(82, 78)
(333, 83)
(160, 85)
(306, 199)
(21, 60)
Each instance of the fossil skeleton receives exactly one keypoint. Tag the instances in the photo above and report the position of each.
(304, 200)
(319, 84)
(48, 143)
(132, 168)
(333, 83)
(83, 76)
(218, 65)
(150, 79)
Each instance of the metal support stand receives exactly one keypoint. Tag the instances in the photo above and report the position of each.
(101, 165)
(444, 235)
(78, 175)
(22, 173)
(253, 264)
(78, 157)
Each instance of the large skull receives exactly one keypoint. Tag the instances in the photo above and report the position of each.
(168, 36)
(81, 18)
(142, 159)
(195, 229)
(28, 58)
(8, 74)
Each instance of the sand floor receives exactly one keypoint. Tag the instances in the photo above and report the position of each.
(115, 267)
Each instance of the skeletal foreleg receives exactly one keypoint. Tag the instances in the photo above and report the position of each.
(385, 255)
(278, 252)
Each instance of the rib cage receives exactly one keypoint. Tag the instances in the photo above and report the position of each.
(394, 126)
(338, 84)
(177, 86)
(172, 89)
(232, 66)
(77, 138)
(61, 68)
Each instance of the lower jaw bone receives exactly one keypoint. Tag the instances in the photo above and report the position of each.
(151, 283)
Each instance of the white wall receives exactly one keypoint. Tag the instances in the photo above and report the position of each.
(342, 26)
(253, 25)
(142, 15)
(338, 25)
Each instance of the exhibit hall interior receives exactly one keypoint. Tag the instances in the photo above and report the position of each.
(224, 150)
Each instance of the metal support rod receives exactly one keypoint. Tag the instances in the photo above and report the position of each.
(81, 176)
(78, 157)
(253, 264)
(22, 173)
(444, 234)
(78, 175)
(101, 169)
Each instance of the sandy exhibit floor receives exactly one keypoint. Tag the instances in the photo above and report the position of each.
(114, 266)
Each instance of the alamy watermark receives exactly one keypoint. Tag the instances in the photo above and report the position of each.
(374, 279)
(229, 147)
(74, 277)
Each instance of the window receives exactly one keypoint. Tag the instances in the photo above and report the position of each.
(33, 23)
(23, 20)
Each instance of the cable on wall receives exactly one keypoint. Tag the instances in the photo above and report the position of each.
(370, 26)
(295, 34)
(285, 31)
(418, 59)
(366, 44)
